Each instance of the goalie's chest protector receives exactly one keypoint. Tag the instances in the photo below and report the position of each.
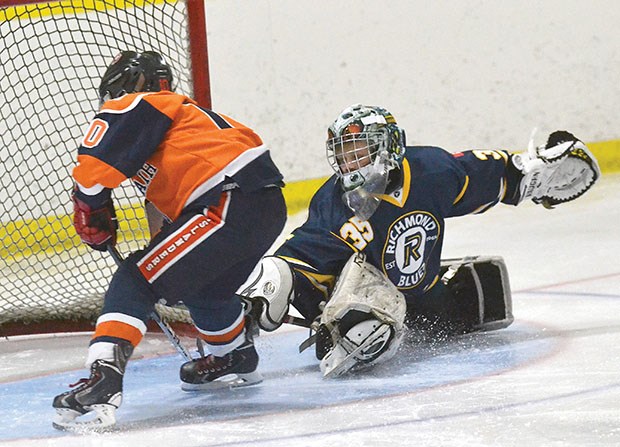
(403, 238)
(408, 226)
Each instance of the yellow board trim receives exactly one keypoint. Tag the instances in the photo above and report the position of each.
(54, 234)
(298, 194)
(607, 154)
(71, 7)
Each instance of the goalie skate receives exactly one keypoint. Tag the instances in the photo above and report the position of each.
(365, 344)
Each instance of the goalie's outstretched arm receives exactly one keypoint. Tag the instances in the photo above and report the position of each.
(558, 172)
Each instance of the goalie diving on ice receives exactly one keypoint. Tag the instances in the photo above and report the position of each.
(366, 265)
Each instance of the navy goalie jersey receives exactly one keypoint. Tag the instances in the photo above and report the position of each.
(404, 237)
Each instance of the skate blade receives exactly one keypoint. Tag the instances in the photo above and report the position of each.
(334, 364)
(225, 382)
(331, 371)
(104, 418)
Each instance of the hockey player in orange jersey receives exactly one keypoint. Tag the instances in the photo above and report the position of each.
(213, 180)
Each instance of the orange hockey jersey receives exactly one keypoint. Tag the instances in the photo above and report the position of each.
(173, 150)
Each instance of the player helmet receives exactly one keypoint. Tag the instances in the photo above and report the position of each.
(362, 140)
(132, 72)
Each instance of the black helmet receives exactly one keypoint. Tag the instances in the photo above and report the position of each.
(132, 72)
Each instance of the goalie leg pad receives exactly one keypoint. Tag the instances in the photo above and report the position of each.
(268, 292)
(365, 344)
(363, 322)
(483, 283)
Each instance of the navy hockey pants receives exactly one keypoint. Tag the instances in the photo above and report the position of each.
(200, 259)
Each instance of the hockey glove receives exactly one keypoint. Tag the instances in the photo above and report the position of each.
(559, 172)
(96, 226)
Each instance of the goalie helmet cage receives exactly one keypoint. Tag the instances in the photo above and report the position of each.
(51, 62)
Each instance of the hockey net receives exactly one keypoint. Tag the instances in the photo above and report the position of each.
(51, 61)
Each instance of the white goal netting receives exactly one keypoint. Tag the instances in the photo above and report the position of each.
(51, 61)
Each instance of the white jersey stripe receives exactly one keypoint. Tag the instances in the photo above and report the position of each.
(228, 171)
(123, 318)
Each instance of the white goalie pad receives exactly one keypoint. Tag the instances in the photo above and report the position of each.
(556, 173)
(362, 288)
(269, 289)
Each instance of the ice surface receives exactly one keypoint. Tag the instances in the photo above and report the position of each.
(550, 379)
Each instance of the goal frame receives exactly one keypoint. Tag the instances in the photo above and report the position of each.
(201, 87)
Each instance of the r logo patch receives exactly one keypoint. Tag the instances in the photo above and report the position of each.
(409, 238)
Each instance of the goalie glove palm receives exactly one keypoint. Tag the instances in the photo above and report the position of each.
(559, 172)
(95, 226)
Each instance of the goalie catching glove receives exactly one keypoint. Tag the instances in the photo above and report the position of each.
(559, 172)
(94, 219)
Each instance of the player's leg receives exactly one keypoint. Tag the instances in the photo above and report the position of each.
(234, 236)
(120, 328)
(231, 359)
(200, 258)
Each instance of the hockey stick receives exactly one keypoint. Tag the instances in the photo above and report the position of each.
(161, 322)
(296, 321)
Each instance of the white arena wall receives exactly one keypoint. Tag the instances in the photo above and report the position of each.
(457, 74)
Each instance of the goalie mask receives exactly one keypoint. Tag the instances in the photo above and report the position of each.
(364, 144)
(132, 72)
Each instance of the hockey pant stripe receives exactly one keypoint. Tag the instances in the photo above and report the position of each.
(121, 326)
(225, 340)
(181, 242)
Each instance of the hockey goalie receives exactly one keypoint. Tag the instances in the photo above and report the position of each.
(366, 265)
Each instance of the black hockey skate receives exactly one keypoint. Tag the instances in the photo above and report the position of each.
(235, 369)
(100, 394)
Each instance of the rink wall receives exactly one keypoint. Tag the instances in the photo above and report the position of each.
(460, 75)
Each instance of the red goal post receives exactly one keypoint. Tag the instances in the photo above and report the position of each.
(51, 61)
